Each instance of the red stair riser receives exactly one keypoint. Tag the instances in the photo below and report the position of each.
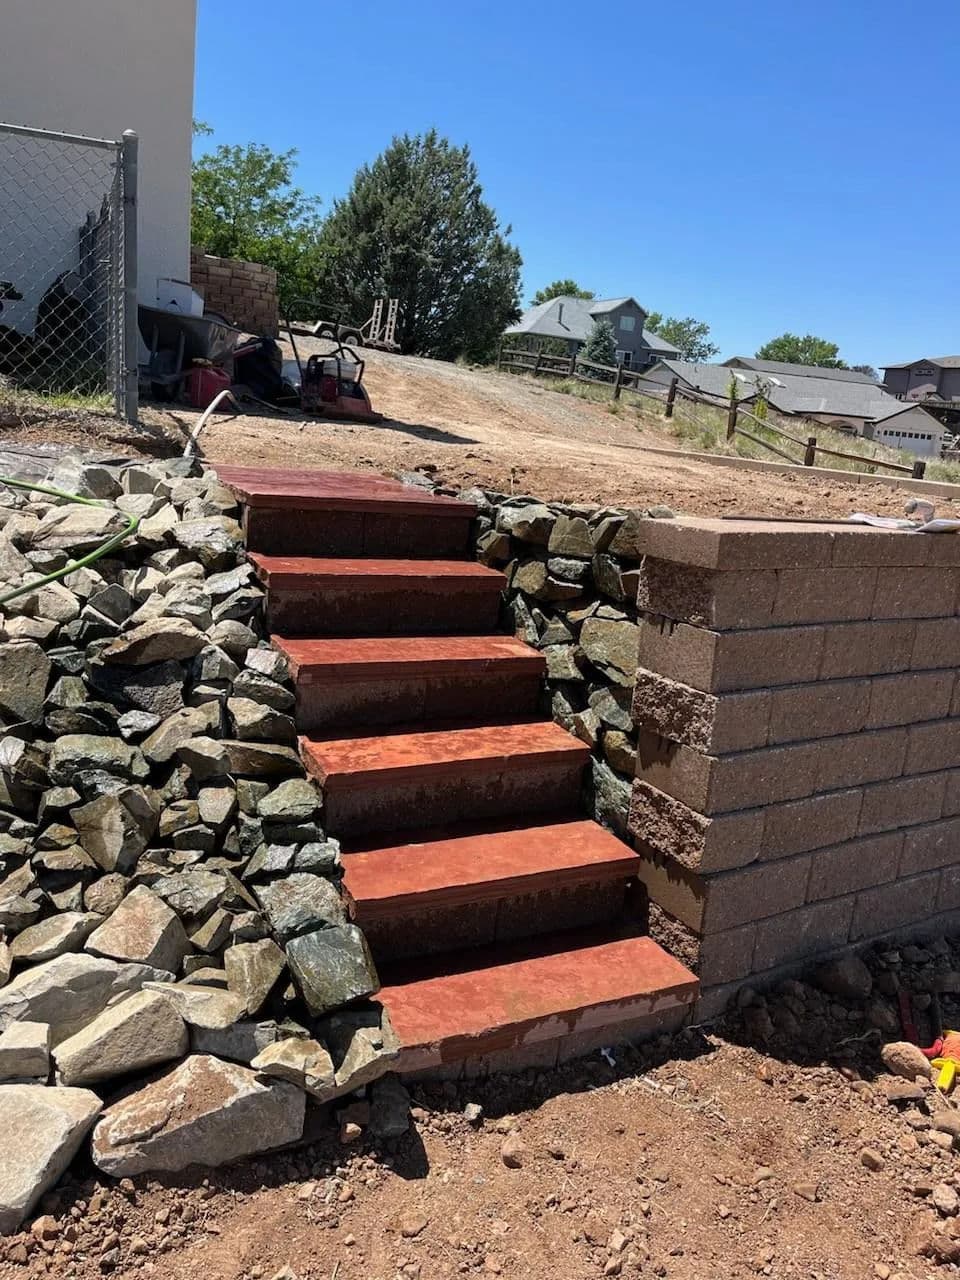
(368, 702)
(282, 531)
(386, 610)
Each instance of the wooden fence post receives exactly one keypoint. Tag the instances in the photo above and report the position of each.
(573, 365)
(536, 363)
(810, 453)
(732, 416)
(919, 467)
(499, 355)
(618, 382)
(671, 397)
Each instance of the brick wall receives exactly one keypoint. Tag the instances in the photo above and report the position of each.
(798, 706)
(244, 292)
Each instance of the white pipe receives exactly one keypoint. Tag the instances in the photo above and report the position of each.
(202, 420)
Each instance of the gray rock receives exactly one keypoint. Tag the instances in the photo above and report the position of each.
(613, 705)
(235, 637)
(105, 894)
(143, 929)
(562, 662)
(188, 600)
(214, 663)
(16, 911)
(77, 529)
(240, 1042)
(610, 796)
(254, 721)
(136, 724)
(253, 969)
(531, 523)
(25, 1051)
(332, 967)
(159, 640)
(157, 689)
(571, 536)
(215, 542)
(216, 806)
(613, 647)
(292, 801)
(79, 753)
(300, 903)
(136, 1033)
(620, 751)
(178, 729)
(53, 936)
(42, 1131)
(178, 816)
(200, 1006)
(322, 857)
(268, 662)
(56, 603)
(847, 977)
(213, 933)
(258, 688)
(115, 829)
(24, 673)
(304, 1063)
(389, 1108)
(204, 757)
(261, 759)
(231, 1114)
(362, 1043)
(69, 991)
(192, 894)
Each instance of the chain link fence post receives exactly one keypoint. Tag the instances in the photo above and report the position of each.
(129, 148)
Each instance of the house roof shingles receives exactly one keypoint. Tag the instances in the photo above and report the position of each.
(572, 319)
(942, 362)
(802, 370)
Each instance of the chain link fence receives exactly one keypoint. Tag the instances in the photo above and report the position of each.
(68, 262)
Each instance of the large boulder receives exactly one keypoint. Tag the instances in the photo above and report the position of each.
(252, 970)
(157, 640)
(613, 646)
(300, 903)
(332, 967)
(204, 1112)
(53, 936)
(143, 929)
(69, 991)
(42, 1131)
(77, 753)
(138, 1032)
(115, 829)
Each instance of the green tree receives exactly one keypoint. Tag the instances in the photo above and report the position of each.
(868, 369)
(246, 206)
(691, 336)
(601, 345)
(414, 226)
(561, 289)
(793, 349)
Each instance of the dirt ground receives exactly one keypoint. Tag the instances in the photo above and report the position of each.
(480, 427)
(705, 1158)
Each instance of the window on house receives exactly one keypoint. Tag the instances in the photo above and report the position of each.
(628, 323)
(624, 358)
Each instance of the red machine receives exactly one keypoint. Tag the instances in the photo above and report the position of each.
(332, 385)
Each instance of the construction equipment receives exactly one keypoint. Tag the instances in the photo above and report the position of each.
(331, 385)
(379, 330)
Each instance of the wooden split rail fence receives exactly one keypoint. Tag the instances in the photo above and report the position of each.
(618, 379)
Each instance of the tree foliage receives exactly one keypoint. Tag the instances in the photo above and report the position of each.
(561, 289)
(690, 335)
(793, 349)
(601, 344)
(246, 206)
(868, 369)
(414, 226)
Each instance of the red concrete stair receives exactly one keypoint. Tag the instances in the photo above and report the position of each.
(444, 774)
(497, 882)
(313, 596)
(377, 681)
(539, 1003)
(457, 810)
(345, 513)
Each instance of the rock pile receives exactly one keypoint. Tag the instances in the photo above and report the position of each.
(167, 893)
(572, 590)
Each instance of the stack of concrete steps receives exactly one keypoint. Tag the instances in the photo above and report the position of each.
(495, 909)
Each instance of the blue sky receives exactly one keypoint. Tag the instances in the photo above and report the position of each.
(764, 165)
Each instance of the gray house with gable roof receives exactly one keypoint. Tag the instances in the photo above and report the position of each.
(570, 320)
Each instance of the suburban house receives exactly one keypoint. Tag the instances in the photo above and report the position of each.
(930, 378)
(852, 403)
(571, 320)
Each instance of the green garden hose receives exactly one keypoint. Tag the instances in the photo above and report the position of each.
(133, 524)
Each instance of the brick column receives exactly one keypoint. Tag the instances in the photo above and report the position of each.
(798, 778)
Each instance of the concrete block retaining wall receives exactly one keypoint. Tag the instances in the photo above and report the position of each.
(797, 704)
(244, 292)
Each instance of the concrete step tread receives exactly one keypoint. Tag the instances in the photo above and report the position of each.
(500, 997)
(282, 487)
(454, 865)
(400, 657)
(406, 752)
(315, 571)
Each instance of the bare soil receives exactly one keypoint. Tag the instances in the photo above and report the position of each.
(477, 426)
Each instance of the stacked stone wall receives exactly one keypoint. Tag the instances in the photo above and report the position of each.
(245, 293)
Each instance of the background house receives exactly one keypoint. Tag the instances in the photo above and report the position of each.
(570, 320)
(938, 377)
(97, 67)
(856, 404)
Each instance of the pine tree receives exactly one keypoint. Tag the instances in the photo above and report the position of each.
(601, 345)
(414, 226)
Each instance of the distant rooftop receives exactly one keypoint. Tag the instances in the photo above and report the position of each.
(572, 319)
(942, 362)
(800, 370)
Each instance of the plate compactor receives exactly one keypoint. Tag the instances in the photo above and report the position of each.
(331, 385)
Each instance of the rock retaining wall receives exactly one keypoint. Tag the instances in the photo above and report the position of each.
(168, 898)
(572, 575)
